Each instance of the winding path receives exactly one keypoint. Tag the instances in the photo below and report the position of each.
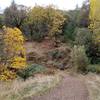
(71, 88)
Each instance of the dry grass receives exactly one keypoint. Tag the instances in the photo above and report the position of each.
(19, 89)
(92, 82)
(93, 85)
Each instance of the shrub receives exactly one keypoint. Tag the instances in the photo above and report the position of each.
(38, 37)
(12, 55)
(60, 58)
(6, 75)
(93, 68)
(44, 21)
(93, 52)
(59, 65)
(1, 21)
(79, 58)
(83, 36)
(18, 63)
(56, 54)
(69, 31)
(14, 47)
(30, 71)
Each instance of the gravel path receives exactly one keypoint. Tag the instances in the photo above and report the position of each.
(70, 88)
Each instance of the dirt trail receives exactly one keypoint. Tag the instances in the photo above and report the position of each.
(70, 88)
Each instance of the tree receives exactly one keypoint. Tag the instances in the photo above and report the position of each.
(44, 21)
(1, 20)
(70, 24)
(12, 53)
(14, 48)
(83, 18)
(95, 28)
(15, 15)
(56, 21)
(37, 23)
(69, 29)
(2, 56)
(95, 19)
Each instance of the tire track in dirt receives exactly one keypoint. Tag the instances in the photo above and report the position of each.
(71, 88)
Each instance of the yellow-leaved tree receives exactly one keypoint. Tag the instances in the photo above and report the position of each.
(14, 57)
(95, 19)
(45, 21)
(14, 48)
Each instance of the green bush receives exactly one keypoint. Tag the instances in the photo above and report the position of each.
(79, 58)
(69, 31)
(56, 54)
(83, 36)
(93, 68)
(30, 71)
(38, 37)
(93, 52)
(1, 21)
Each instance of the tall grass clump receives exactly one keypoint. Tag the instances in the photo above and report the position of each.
(79, 58)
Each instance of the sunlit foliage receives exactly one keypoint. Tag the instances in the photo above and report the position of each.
(13, 53)
(95, 19)
(44, 21)
(14, 47)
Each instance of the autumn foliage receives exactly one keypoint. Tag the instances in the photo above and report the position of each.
(44, 21)
(95, 19)
(14, 51)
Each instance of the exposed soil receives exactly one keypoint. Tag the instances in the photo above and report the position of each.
(39, 47)
(49, 54)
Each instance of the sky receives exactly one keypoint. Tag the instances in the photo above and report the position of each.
(61, 4)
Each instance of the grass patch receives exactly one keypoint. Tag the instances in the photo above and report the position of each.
(19, 89)
(93, 84)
